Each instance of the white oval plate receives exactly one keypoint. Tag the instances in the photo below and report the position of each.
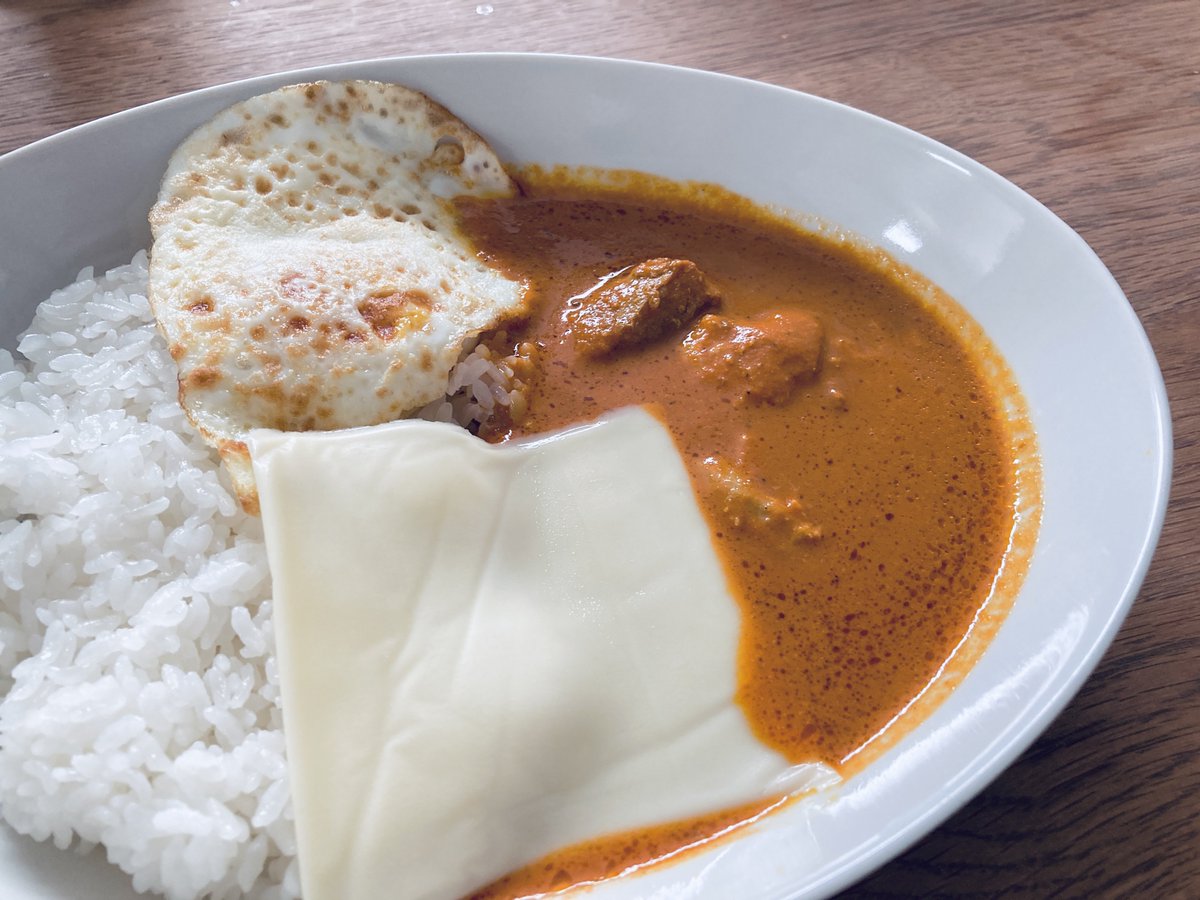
(1093, 387)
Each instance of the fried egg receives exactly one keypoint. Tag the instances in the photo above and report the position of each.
(307, 269)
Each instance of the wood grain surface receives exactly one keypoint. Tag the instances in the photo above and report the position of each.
(1094, 108)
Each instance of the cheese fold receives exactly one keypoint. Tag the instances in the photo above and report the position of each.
(491, 652)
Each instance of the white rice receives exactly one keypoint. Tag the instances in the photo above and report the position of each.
(481, 384)
(136, 649)
(137, 659)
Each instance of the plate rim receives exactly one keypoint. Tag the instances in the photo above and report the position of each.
(1046, 706)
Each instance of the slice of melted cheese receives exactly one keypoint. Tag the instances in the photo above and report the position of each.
(488, 653)
(308, 271)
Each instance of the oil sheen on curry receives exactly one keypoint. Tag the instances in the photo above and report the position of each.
(859, 450)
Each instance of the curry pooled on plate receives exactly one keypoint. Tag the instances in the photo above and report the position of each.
(855, 444)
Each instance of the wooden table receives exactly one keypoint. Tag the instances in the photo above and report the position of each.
(1094, 108)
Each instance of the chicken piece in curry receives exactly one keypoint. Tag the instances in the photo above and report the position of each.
(765, 358)
(635, 306)
(849, 433)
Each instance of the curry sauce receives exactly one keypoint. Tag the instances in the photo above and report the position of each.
(890, 462)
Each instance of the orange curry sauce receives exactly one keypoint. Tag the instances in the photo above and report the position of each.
(908, 453)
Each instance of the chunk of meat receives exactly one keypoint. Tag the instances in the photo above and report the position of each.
(744, 504)
(763, 358)
(638, 305)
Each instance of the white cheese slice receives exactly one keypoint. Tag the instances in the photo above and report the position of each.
(488, 653)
